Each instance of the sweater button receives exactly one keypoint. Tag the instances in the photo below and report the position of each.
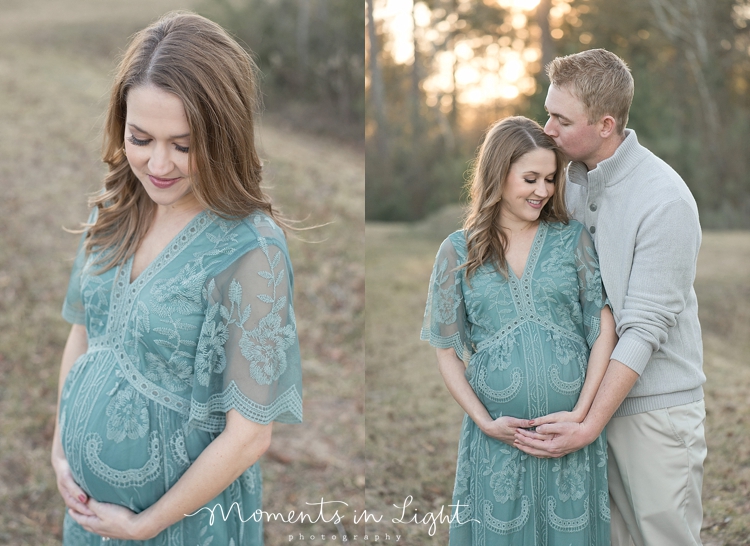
(592, 229)
(592, 207)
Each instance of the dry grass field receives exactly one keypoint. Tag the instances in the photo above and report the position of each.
(412, 422)
(56, 58)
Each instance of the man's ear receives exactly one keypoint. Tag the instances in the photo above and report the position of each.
(608, 126)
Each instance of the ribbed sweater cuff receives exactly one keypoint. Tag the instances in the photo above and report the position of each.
(642, 404)
(632, 352)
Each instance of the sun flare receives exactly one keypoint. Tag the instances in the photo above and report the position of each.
(500, 73)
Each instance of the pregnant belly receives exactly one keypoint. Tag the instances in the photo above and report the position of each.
(524, 386)
(111, 436)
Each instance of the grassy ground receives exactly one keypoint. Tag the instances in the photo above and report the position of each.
(56, 58)
(413, 423)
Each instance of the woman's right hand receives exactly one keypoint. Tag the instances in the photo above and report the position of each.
(75, 498)
(504, 428)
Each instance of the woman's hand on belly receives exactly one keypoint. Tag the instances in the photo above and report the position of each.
(111, 520)
(575, 416)
(504, 428)
(75, 498)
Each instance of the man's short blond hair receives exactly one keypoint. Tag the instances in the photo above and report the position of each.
(598, 78)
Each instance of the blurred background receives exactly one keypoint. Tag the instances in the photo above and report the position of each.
(57, 58)
(438, 73)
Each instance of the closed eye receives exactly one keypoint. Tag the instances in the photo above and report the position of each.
(138, 142)
(146, 142)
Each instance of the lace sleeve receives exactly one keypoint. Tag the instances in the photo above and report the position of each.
(248, 355)
(73, 309)
(445, 323)
(591, 293)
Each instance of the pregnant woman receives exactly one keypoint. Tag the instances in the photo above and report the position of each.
(183, 349)
(517, 313)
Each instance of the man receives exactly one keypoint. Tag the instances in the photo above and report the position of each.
(644, 223)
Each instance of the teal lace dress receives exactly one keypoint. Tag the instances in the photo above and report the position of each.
(206, 328)
(526, 341)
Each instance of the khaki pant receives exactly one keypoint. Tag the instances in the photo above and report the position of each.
(656, 476)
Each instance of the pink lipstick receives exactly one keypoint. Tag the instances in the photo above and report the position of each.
(162, 183)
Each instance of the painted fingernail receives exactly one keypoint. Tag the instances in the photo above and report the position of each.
(82, 497)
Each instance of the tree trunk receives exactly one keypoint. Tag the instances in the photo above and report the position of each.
(303, 33)
(377, 92)
(418, 182)
(546, 42)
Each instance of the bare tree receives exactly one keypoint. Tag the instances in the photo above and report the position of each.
(377, 90)
(684, 23)
(303, 31)
(547, 45)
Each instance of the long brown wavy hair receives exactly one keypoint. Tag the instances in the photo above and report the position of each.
(195, 59)
(505, 143)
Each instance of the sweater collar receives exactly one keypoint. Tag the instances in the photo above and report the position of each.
(613, 169)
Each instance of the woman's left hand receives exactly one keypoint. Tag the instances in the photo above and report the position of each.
(559, 417)
(112, 521)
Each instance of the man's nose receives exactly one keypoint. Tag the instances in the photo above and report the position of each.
(550, 128)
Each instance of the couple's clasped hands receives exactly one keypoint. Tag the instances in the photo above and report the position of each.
(554, 435)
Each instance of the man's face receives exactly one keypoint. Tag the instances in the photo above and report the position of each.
(569, 127)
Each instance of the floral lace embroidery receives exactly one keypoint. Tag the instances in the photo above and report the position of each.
(180, 294)
(448, 298)
(95, 290)
(175, 374)
(571, 477)
(265, 346)
(507, 484)
(500, 354)
(128, 415)
(593, 291)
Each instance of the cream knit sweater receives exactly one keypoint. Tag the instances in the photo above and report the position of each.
(644, 222)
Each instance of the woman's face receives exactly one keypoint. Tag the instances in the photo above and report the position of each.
(157, 138)
(530, 184)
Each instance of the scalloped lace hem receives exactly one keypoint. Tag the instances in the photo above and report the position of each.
(211, 416)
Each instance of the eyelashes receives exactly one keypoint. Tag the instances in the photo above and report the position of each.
(138, 142)
(533, 181)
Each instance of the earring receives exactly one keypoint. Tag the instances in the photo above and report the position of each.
(124, 151)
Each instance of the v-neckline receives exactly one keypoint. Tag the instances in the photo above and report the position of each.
(531, 258)
(176, 241)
